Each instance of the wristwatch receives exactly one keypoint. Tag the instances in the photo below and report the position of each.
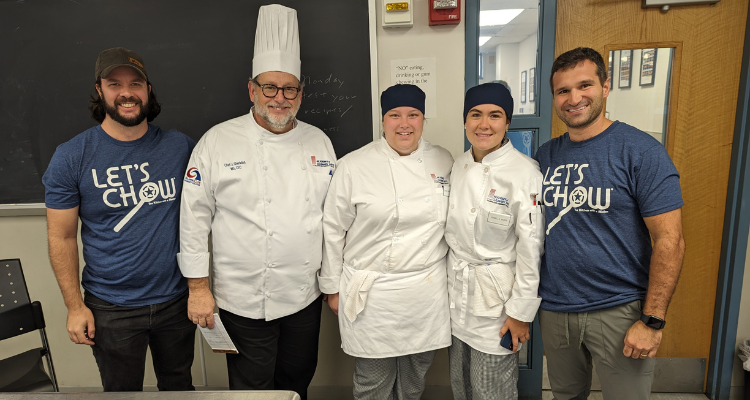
(653, 322)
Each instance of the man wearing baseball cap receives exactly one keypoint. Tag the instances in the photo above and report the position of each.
(263, 178)
(123, 179)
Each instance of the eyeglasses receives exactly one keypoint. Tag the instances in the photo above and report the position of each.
(270, 91)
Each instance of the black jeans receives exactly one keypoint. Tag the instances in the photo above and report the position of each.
(123, 334)
(274, 355)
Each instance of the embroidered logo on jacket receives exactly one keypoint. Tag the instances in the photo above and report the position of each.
(193, 176)
(321, 163)
(497, 199)
(439, 179)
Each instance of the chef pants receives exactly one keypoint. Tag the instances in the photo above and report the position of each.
(392, 378)
(476, 375)
(274, 355)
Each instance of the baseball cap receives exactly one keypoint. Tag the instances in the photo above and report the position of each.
(118, 57)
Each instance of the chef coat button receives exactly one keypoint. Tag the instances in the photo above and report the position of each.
(307, 198)
(426, 199)
(473, 210)
(471, 251)
(419, 160)
(270, 233)
(453, 206)
(486, 169)
(268, 295)
(303, 167)
(400, 201)
(441, 223)
(455, 243)
(395, 238)
(260, 143)
(299, 143)
(308, 231)
(466, 166)
(307, 262)
(391, 158)
(265, 168)
(268, 200)
(424, 241)
(270, 265)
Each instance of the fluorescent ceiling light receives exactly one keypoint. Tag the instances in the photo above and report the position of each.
(484, 39)
(497, 17)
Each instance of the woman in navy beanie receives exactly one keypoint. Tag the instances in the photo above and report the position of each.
(495, 231)
(384, 259)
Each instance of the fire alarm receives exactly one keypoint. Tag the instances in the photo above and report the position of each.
(445, 12)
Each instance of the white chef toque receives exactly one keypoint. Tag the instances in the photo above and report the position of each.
(277, 41)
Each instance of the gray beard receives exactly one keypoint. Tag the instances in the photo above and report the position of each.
(274, 122)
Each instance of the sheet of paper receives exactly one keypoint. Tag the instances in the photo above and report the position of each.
(420, 72)
(218, 338)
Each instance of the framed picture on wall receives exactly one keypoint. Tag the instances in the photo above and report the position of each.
(648, 67)
(609, 70)
(532, 85)
(626, 63)
(523, 87)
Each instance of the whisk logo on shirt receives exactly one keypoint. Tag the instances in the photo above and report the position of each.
(121, 188)
(564, 190)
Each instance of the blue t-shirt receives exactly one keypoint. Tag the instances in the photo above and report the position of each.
(596, 194)
(129, 199)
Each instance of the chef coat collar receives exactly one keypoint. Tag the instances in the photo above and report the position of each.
(270, 136)
(388, 150)
(497, 154)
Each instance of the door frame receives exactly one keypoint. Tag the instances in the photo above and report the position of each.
(529, 380)
(734, 244)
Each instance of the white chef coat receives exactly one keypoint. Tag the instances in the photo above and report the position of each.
(384, 251)
(495, 230)
(261, 196)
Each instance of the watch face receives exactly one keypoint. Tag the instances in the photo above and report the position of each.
(653, 322)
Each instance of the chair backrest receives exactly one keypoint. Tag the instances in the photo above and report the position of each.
(17, 314)
(13, 291)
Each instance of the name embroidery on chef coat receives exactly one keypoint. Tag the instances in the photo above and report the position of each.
(439, 179)
(497, 199)
(321, 163)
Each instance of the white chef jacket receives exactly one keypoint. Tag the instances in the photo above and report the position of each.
(261, 196)
(495, 230)
(384, 251)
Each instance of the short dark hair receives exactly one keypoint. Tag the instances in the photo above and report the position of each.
(571, 58)
(99, 110)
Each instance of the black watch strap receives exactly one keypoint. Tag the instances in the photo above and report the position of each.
(653, 322)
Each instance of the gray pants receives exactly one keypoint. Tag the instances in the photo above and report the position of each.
(393, 378)
(574, 342)
(480, 376)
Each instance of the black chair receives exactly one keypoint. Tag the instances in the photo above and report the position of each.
(23, 372)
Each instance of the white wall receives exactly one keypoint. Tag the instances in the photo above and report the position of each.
(526, 61)
(512, 59)
(24, 237)
(446, 44)
(489, 68)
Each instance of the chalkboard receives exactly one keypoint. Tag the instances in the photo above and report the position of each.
(199, 57)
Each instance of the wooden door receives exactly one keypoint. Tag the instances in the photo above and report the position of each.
(702, 111)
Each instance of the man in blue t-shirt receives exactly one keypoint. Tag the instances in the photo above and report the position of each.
(123, 179)
(608, 190)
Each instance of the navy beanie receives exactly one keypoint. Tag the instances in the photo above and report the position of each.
(489, 93)
(402, 96)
